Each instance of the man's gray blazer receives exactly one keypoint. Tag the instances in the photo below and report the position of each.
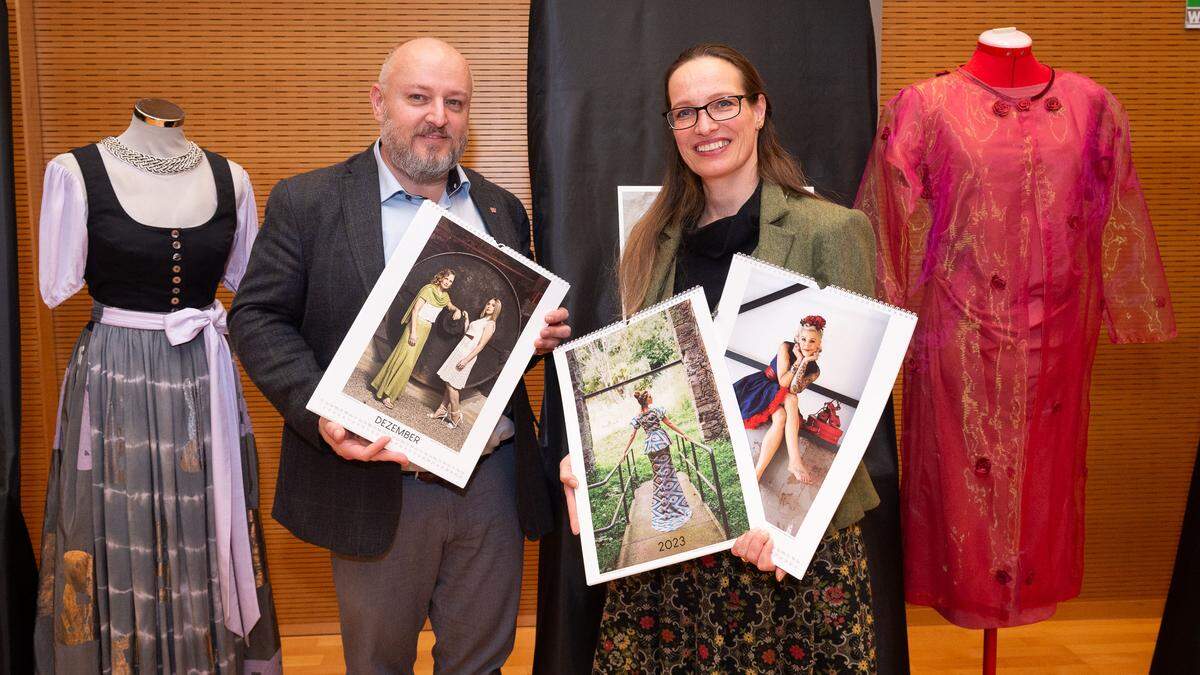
(319, 252)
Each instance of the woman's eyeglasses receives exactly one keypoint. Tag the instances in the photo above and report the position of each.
(719, 110)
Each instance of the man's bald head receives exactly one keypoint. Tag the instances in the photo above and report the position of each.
(422, 103)
(423, 54)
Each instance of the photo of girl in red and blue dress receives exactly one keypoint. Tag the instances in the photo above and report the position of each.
(771, 395)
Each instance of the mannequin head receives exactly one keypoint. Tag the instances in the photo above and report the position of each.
(1006, 38)
(158, 112)
(422, 103)
(1004, 58)
(156, 128)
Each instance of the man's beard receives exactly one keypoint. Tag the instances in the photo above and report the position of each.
(422, 169)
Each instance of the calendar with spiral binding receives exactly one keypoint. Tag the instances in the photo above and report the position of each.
(655, 441)
(439, 346)
(812, 371)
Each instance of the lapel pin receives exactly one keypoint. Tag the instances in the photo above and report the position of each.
(492, 209)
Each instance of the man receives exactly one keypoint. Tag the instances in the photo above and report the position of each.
(406, 546)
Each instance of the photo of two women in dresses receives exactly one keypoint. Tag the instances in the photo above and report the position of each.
(652, 431)
(447, 335)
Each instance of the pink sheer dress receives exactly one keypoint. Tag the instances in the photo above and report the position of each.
(1013, 223)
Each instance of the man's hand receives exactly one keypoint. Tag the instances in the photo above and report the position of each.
(554, 333)
(755, 548)
(569, 484)
(353, 446)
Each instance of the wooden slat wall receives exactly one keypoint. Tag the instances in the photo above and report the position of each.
(282, 88)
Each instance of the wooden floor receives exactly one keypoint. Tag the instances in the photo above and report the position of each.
(1109, 638)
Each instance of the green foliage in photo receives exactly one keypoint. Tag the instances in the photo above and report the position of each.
(637, 349)
(606, 499)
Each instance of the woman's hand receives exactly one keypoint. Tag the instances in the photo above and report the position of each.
(801, 371)
(461, 364)
(567, 477)
(755, 547)
(809, 359)
(412, 336)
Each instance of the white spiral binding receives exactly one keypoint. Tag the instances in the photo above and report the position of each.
(698, 291)
(791, 273)
(508, 250)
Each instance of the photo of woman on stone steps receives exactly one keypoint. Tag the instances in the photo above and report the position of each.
(669, 508)
(662, 478)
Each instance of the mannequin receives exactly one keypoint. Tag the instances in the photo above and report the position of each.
(1004, 58)
(152, 500)
(179, 200)
(1014, 259)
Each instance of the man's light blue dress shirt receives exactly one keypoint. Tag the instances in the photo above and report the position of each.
(399, 208)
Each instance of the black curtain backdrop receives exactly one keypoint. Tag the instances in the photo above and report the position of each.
(595, 102)
(1178, 648)
(18, 578)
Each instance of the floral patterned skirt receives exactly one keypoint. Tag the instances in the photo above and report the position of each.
(718, 614)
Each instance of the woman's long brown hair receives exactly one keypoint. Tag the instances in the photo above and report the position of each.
(681, 200)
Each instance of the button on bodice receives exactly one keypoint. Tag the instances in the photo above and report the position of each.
(135, 266)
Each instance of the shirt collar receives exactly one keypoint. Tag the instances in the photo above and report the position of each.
(457, 181)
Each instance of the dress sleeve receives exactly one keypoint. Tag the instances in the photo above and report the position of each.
(243, 240)
(894, 193)
(1137, 304)
(62, 235)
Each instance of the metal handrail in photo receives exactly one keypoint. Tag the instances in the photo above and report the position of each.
(625, 460)
(694, 464)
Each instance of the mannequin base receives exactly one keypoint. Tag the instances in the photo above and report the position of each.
(989, 651)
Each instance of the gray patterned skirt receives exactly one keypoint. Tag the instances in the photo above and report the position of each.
(129, 578)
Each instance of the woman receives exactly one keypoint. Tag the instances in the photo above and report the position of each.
(418, 319)
(669, 508)
(731, 187)
(458, 365)
(773, 395)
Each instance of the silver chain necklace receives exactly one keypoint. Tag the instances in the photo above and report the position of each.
(162, 166)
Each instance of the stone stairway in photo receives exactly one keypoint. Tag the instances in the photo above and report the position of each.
(641, 542)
